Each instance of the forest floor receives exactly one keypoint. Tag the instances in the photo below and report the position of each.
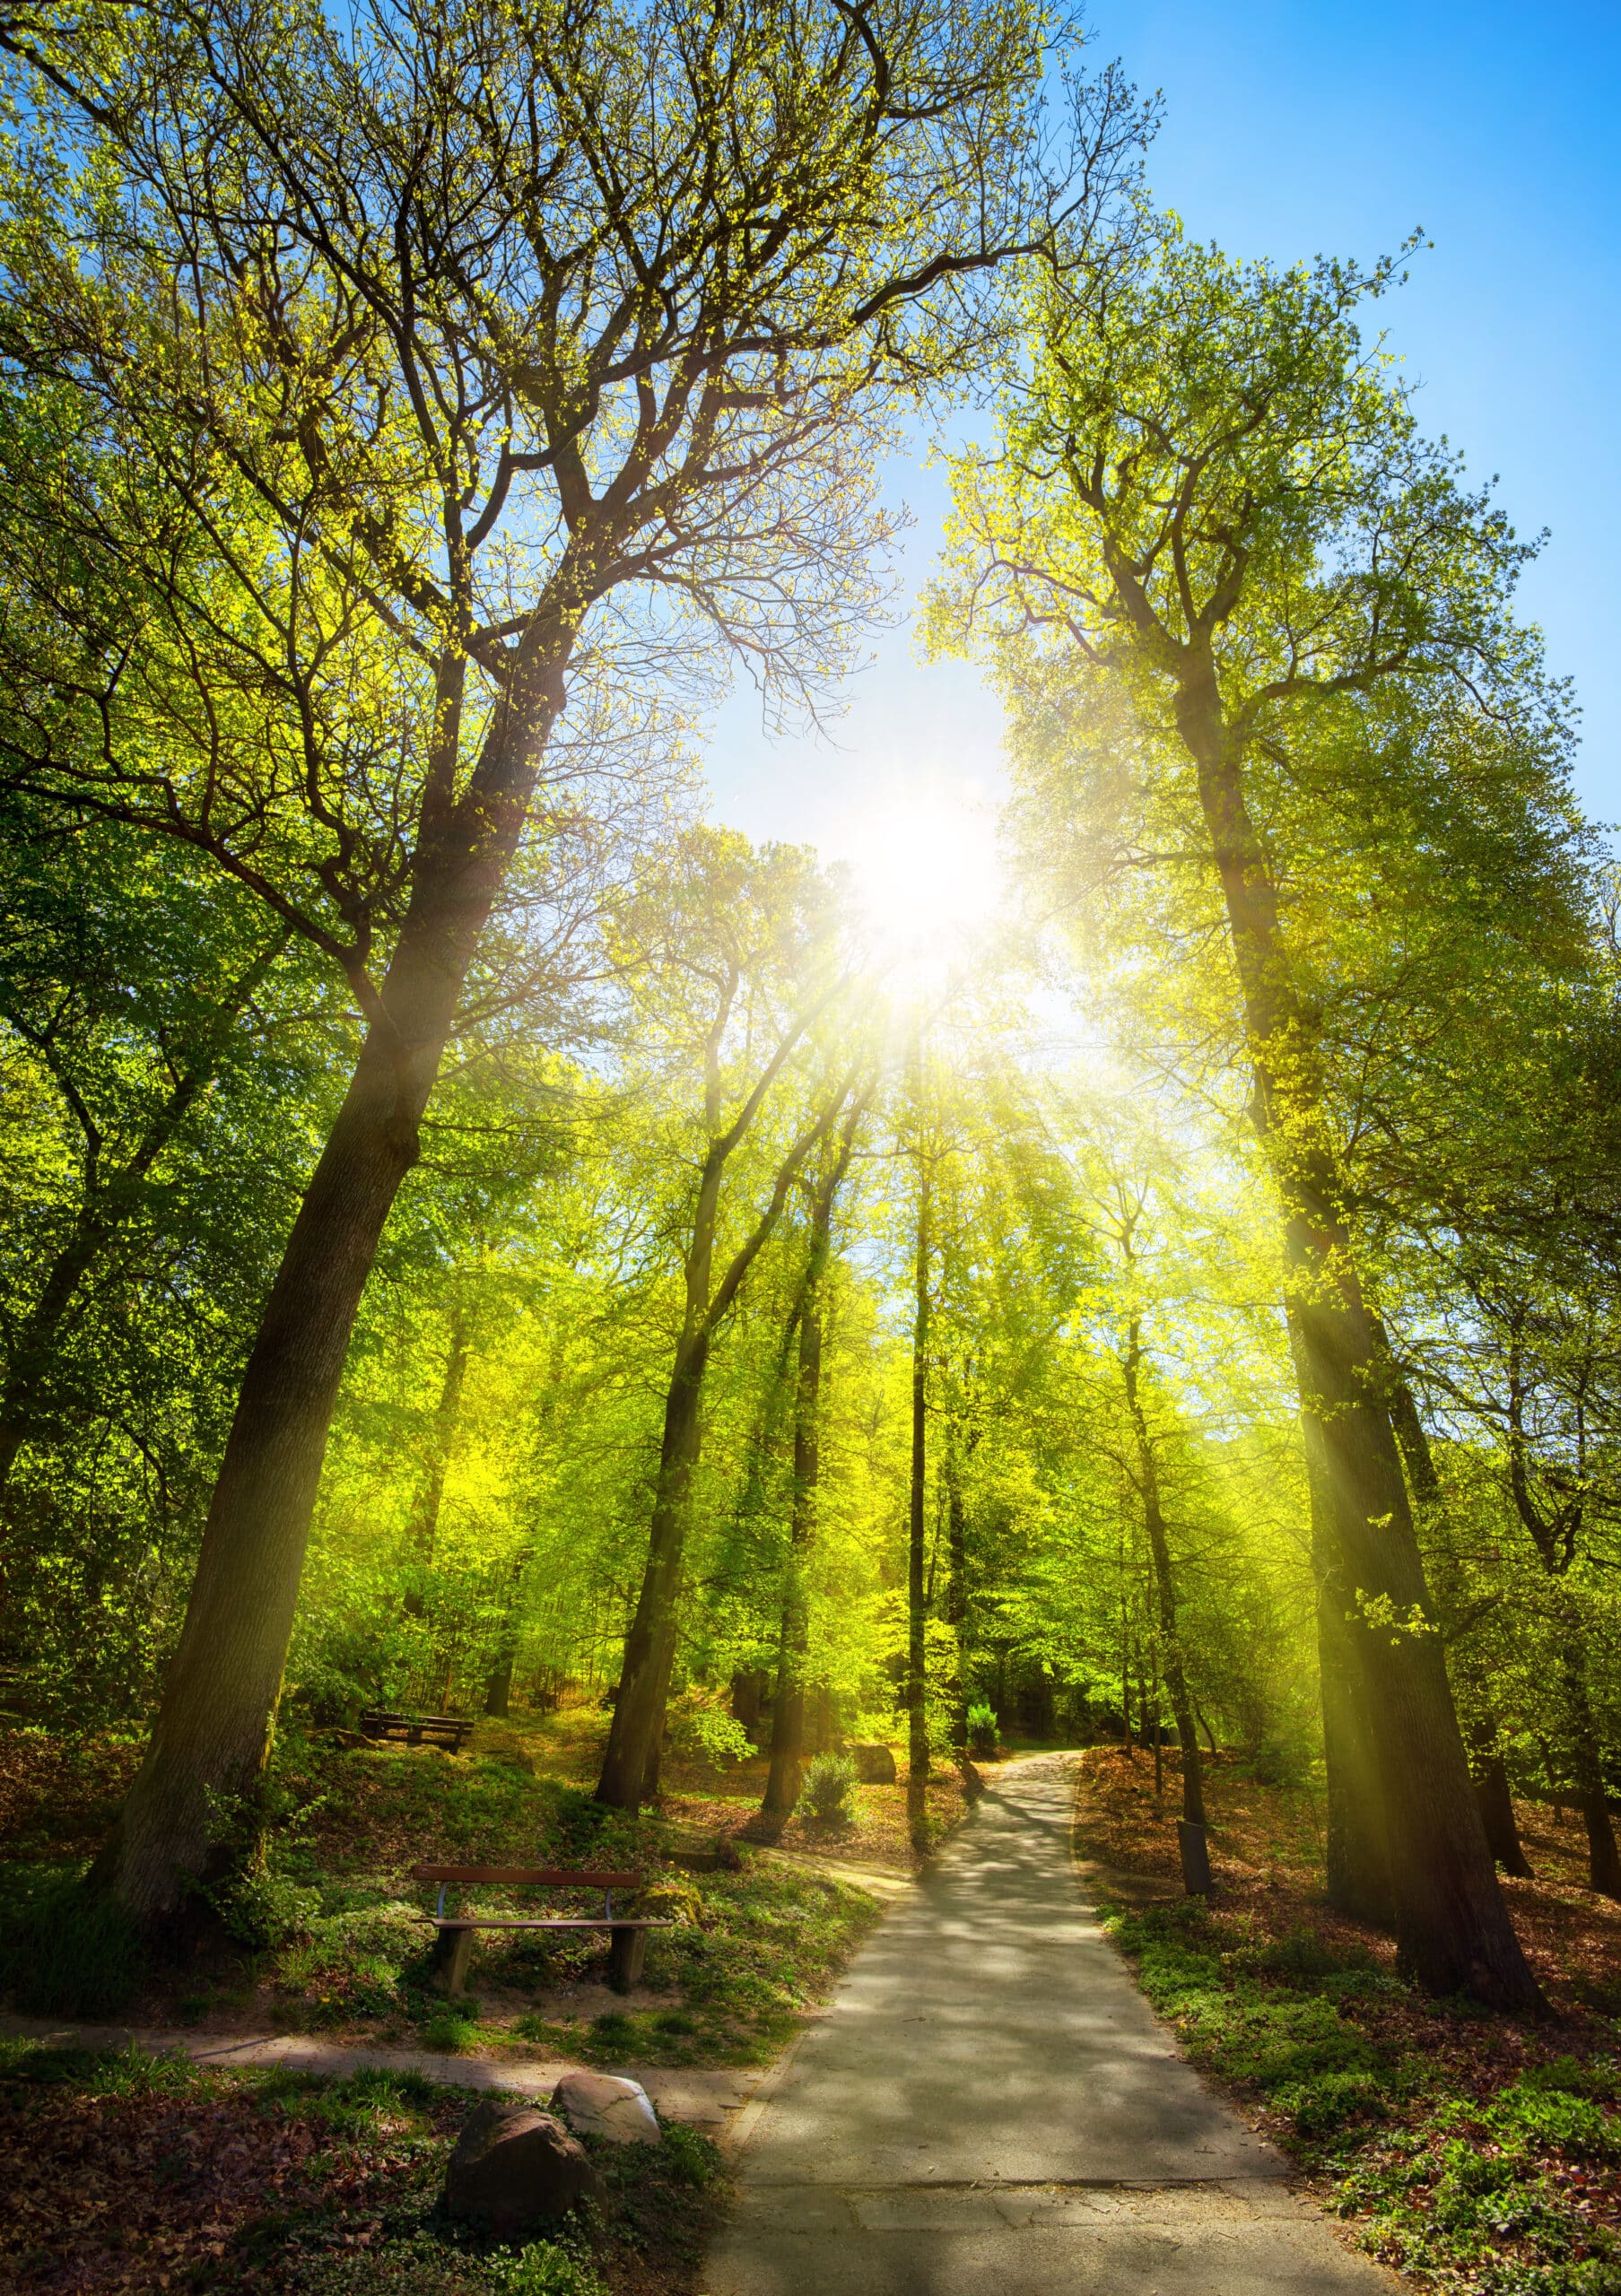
(1476, 2153)
(128, 2172)
(332, 1941)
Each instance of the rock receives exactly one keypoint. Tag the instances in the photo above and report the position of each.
(672, 1898)
(875, 1765)
(717, 1855)
(601, 2104)
(518, 2169)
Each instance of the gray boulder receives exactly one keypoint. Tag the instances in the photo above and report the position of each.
(602, 2104)
(518, 2169)
(875, 1765)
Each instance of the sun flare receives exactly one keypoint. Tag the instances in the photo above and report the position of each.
(929, 873)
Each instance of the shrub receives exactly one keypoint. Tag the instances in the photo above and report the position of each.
(829, 1783)
(700, 1728)
(264, 1907)
(981, 1728)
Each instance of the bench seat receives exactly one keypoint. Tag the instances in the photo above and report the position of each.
(453, 1939)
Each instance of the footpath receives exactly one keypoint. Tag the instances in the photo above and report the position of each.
(988, 2108)
(705, 2099)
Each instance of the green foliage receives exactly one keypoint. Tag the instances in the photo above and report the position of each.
(699, 1726)
(695, 2158)
(544, 2268)
(981, 1728)
(827, 1793)
(1295, 2048)
(261, 1906)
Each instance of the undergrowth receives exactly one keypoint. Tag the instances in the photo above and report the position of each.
(125, 2171)
(324, 1932)
(1509, 2192)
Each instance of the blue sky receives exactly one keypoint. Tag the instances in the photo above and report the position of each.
(1291, 130)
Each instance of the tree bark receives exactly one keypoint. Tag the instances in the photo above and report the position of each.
(916, 1685)
(1451, 1923)
(1159, 1548)
(1487, 1765)
(630, 1765)
(212, 1735)
(788, 1711)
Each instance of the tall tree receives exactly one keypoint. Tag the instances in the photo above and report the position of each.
(749, 956)
(389, 376)
(1215, 514)
(787, 1706)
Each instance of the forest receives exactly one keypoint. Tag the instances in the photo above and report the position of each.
(762, 1340)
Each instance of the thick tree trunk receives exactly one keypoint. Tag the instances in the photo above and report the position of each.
(1498, 1806)
(212, 1734)
(917, 1624)
(1487, 1766)
(1451, 1922)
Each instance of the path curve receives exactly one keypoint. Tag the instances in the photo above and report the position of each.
(990, 2108)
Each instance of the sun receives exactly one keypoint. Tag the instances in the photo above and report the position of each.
(929, 874)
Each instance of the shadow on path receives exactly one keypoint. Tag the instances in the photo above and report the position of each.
(989, 2104)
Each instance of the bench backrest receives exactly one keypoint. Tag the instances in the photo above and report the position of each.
(557, 1877)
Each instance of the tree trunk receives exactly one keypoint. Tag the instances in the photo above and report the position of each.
(498, 1687)
(1498, 1807)
(917, 1686)
(630, 1768)
(1487, 1766)
(1586, 1768)
(956, 1598)
(1451, 1922)
(1159, 1547)
(212, 1735)
(787, 1711)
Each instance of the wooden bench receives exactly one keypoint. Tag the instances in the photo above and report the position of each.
(451, 1731)
(453, 1944)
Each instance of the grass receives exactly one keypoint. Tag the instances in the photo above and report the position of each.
(1477, 2153)
(131, 2173)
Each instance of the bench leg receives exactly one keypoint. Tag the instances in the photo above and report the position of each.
(626, 1954)
(452, 1950)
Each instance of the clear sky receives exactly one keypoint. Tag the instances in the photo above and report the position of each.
(1292, 130)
